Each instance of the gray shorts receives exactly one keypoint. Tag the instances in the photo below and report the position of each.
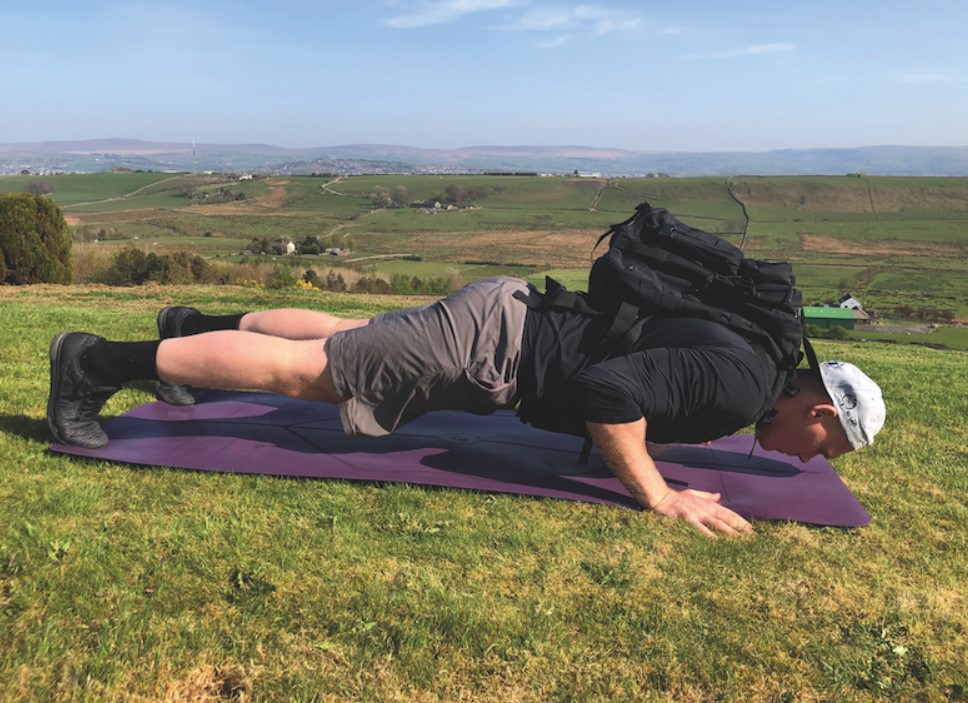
(460, 353)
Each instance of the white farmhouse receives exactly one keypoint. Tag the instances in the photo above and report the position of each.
(850, 302)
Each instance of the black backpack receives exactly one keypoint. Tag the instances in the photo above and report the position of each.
(658, 266)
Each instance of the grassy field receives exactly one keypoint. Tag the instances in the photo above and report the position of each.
(898, 244)
(126, 584)
(887, 240)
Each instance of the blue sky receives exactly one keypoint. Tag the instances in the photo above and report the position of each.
(693, 75)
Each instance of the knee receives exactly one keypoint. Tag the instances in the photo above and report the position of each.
(308, 374)
(256, 321)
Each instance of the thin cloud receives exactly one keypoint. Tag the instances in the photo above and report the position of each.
(754, 50)
(562, 40)
(928, 77)
(599, 20)
(429, 13)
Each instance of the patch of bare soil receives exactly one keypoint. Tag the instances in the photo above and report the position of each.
(275, 200)
(920, 197)
(101, 218)
(210, 685)
(833, 245)
(560, 249)
(800, 195)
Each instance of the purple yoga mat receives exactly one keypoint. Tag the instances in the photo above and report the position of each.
(262, 433)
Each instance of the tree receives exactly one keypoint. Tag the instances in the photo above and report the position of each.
(400, 197)
(454, 193)
(39, 188)
(35, 241)
(380, 197)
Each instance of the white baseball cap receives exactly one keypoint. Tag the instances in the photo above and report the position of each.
(858, 399)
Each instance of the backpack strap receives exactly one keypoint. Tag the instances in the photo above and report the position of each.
(556, 296)
(614, 228)
(626, 325)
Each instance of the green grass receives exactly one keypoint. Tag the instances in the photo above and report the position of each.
(126, 583)
(887, 240)
(951, 337)
(76, 188)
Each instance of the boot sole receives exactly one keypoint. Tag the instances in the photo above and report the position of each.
(162, 317)
(160, 393)
(55, 365)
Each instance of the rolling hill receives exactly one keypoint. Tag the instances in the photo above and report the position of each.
(360, 159)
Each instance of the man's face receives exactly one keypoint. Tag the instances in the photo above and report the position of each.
(815, 431)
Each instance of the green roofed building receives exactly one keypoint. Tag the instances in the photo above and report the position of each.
(826, 317)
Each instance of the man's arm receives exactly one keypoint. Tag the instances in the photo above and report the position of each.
(623, 448)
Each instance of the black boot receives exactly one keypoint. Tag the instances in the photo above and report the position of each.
(76, 397)
(170, 321)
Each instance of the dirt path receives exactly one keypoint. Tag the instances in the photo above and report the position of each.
(598, 196)
(326, 186)
(823, 244)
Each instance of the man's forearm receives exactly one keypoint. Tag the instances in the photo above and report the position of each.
(623, 448)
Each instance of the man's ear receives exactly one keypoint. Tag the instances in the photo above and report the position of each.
(822, 411)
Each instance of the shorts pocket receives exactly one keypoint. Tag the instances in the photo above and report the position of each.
(490, 395)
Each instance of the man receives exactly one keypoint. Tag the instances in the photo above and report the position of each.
(479, 350)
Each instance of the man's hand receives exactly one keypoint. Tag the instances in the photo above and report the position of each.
(624, 450)
(703, 511)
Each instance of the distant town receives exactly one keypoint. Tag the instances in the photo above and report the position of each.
(46, 158)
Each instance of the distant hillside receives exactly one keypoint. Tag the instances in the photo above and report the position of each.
(105, 154)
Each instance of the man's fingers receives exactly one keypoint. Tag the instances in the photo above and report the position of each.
(734, 524)
(734, 528)
(724, 520)
(697, 523)
(703, 511)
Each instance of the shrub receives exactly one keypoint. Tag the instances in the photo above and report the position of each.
(91, 263)
(335, 282)
(368, 284)
(312, 278)
(281, 277)
(35, 241)
(817, 332)
(133, 267)
(402, 284)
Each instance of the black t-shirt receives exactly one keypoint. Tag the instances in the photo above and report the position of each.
(692, 380)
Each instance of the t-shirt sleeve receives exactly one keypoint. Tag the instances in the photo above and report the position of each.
(685, 394)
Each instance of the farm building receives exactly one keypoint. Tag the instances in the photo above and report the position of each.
(826, 317)
(849, 301)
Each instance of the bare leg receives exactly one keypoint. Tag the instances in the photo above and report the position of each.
(295, 323)
(240, 359)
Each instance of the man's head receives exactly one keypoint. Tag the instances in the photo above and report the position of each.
(838, 409)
